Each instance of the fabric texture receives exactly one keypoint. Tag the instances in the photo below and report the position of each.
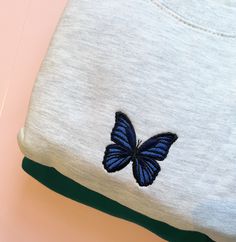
(170, 68)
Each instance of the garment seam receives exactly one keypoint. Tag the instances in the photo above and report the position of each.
(188, 23)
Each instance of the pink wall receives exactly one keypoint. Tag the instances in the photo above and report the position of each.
(29, 212)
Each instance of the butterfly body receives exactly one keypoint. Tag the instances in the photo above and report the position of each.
(143, 156)
(135, 151)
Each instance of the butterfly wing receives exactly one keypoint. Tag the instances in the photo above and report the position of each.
(145, 167)
(145, 170)
(115, 158)
(157, 147)
(123, 132)
(118, 155)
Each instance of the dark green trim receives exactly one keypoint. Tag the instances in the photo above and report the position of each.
(59, 183)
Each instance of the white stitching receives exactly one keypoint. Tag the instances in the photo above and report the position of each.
(186, 22)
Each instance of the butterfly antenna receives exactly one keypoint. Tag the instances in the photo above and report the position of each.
(139, 142)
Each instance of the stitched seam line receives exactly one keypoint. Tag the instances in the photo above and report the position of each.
(188, 23)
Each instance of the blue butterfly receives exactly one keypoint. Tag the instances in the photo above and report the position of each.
(125, 149)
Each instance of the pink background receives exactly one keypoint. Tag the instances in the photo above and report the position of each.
(29, 212)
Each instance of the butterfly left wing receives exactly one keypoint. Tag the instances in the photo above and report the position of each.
(157, 147)
(123, 132)
(145, 170)
(118, 155)
(115, 158)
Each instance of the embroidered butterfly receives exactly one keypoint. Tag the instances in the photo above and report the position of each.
(143, 156)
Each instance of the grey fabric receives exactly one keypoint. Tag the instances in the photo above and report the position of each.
(170, 68)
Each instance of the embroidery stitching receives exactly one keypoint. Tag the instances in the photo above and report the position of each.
(144, 156)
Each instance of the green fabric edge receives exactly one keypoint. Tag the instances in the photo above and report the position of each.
(61, 184)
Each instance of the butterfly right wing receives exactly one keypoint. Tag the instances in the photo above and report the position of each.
(145, 167)
(115, 158)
